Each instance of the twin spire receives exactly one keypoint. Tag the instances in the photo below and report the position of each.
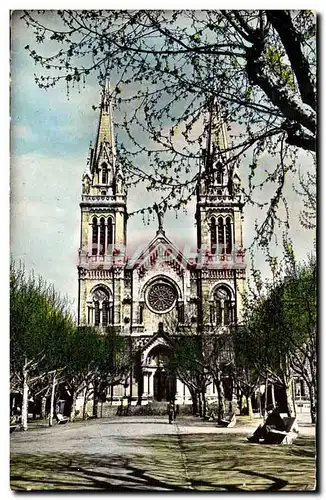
(105, 133)
(216, 141)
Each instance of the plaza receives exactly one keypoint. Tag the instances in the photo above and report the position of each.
(146, 453)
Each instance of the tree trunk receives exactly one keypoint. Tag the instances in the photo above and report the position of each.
(221, 398)
(34, 407)
(200, 404)
(289, 398)
(25, 400)
(43, 407)
(194, 402)
(198, 414)
(249, 407)
(259, 402)
(204, 404)
(54, 382)
(312, 397)
(73, 406)
(95, 400)
(85, 416)
(273, 395)
(266, 397)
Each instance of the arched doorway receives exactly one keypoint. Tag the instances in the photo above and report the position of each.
(164, 383)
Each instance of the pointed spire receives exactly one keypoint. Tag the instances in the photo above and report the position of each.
(216, 129)
(105, 134)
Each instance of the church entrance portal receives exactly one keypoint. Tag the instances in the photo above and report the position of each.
(164, 386)
(164, 383)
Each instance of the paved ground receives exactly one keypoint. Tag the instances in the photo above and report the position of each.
(147, 453)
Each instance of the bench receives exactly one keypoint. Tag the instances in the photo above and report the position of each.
(283, 437)
(15, 423)
(275, 436)
(61, 419)
(230, 421)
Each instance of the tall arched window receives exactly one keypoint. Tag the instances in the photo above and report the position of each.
(102, 236)
(100, 308)
(105, 313)
(104, 168)
(94, 236)
(97, 313)
(213, 235)
(222, 306)
(228, 235)
(220, 230)
(110, 231)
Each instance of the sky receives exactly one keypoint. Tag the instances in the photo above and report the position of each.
(50, 136)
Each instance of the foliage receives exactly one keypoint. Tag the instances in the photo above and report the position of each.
(259, 65)
(278, 334)
(45, 341)
(308, 193)
(39, 325)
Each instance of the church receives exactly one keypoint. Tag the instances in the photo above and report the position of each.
(141, 297)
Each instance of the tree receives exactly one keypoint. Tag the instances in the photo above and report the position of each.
(96, 361)
(245, 376)
(259, 65)
(278, 334)
(300, 305)
(113, 365)
(39, 324)
(201, 356)
(186, 363)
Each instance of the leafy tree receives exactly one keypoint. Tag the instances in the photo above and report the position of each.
(96, 361)
(300, 310)
(260, 65)
(201, 356)
(113, 365)
(186, 363)
(308, 193)
(277, 337)
(39, 324)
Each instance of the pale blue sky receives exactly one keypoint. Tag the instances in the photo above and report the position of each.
(50, 137)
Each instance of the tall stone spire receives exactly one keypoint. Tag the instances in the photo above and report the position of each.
(216, 141)
(105, 133)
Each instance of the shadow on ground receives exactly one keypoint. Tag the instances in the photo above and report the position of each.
(175, 463)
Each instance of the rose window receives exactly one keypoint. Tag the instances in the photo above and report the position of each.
(161, 297)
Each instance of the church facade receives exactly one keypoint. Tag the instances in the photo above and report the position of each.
(142, 297)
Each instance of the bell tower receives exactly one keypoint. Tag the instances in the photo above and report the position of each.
(219, 218)
(103, 224)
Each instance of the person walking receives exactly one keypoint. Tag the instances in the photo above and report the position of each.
(171, 412)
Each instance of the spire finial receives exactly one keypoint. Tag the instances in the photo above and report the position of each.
(106, 94)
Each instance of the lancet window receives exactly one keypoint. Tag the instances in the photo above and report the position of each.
(100, 308)
(221, 235)
(102, 236)
(222, 309)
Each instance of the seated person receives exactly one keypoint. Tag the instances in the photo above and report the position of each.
(273, 421)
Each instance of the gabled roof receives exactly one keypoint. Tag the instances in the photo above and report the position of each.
(160, 338)
(105, 152)
(162, 249)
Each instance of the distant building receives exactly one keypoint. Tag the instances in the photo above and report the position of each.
(137, 297)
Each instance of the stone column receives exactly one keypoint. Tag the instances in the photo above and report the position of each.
(106, 233)
(145, 383)
(151, 384)
(101, 312)
(98, 238)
